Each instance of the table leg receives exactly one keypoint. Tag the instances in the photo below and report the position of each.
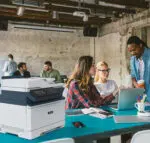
(84, 141)
(116, 139)
(106, 140)
(125, 138)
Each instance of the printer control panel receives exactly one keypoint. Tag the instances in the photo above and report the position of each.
(45, 94)
(39, 93)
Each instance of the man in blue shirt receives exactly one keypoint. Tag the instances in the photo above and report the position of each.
(139, 62)
(10, 66)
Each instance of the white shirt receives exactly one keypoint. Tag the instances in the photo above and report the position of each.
(141, 68)
(9, 68)
(107, 88)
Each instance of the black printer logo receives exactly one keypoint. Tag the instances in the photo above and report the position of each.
(50, 112)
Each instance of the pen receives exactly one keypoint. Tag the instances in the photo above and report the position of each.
(139, 98)
(144, 98)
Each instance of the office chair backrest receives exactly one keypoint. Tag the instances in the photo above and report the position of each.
(63, 78)
(141, 137)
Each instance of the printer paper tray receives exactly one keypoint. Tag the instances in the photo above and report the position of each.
(31, 134)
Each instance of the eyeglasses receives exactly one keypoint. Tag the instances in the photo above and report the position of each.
(108, 70)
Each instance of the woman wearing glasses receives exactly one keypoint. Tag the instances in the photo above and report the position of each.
(81, 91)
(105, 86)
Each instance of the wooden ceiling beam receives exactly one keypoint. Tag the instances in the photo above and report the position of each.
(37, 20)
(65, 9)
(63, 19)
(5, 2)
(131, 3)
(92, 6)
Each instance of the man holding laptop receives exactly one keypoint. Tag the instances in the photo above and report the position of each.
(139, 63)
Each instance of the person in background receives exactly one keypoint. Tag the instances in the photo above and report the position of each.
(10, 66)
(22, 71)
(81, 91)
(104, 86)
(139, 62)
(49, 72)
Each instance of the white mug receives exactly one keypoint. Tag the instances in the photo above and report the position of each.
(140, 106)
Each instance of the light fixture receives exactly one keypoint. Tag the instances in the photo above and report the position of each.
(112, 5)
(20, 11)
(58, 29)
(55, 15)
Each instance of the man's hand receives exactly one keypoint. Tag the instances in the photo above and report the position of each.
(135, 83)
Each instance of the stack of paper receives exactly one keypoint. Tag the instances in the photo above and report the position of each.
(96, 112)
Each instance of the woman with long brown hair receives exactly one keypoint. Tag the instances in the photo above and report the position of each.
(81, 91)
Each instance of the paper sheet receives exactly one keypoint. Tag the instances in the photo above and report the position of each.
(96, 112)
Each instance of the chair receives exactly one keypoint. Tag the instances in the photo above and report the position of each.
(63, 78)
(65, 140)
(141, 137)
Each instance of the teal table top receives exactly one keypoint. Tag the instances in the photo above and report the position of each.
(95, 128)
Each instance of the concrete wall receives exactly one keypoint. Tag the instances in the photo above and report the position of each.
(108, 51)
(35, 47)
(148, 36)
(111, 45)
(110, 48)
(63, 49)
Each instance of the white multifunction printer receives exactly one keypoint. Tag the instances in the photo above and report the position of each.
(30, 107)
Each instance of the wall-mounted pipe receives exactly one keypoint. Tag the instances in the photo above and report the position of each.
(27, 8)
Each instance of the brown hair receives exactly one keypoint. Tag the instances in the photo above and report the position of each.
(20, 65)
(49, 63)
(81, 73)
(98, 66)
(10, 56)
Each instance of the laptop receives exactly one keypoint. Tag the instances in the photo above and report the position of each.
(127, 98)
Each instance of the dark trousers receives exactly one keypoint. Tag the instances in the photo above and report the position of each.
(126, 137)
(107, 140)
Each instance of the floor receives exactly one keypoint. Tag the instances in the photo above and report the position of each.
(116, 139)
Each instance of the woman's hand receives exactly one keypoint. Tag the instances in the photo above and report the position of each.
(116, 92)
